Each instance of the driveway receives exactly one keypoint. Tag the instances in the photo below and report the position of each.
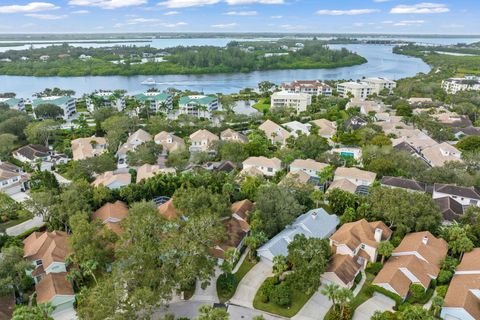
(24, 226)
(316, 308)
(184, 309)
(209, 294)
(242, 313)
(378, 302)
(248, 287)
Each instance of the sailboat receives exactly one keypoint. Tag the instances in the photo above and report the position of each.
(149, 82)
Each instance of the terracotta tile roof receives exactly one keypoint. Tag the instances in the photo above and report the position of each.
(51, 285)
(242, 208)
(343, 184)
(274, 131)
(344, 266)
(109, 211)
(46, 246)
(234, 235)
(82, 148)
(434, 251)
(148, 171)
(395, 278)
(353, 234)
(110, 177)
(168, 211)
(140, 135)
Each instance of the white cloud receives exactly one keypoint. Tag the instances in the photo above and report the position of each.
(186, 3)
(241, 13)
(29, 7)
(107, 4)
(81, 12)
(420, 8)
(224, 25)
(141, 20)
(171, 13)
(235, 2)
(381, 1)
(406, 23)
(292, 26)
(276, 17)
(351, 12)
(173, 25)
(46, 16)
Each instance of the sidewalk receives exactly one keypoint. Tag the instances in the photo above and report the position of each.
(35, 222)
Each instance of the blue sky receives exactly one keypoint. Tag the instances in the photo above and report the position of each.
(342, 16)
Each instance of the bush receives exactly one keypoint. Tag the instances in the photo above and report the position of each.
(417, 291)
(266, 288)
(281, 295)
(358, 278)
(226, 281)
(444, 276)
(398, 300)
(442, 291)
(374, 267)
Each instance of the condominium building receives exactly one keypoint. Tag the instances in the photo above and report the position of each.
(12, 103)
(198, 106)
(454, 85)
(364, 88)
(108, 99)
(67, 104)
(312, 87)
(298, 101)
(157, 100)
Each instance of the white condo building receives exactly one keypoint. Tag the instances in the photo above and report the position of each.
(298, 101)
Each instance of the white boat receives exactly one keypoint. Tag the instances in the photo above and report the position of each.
(149, 82)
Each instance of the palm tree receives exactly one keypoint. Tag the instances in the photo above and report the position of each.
(344, 296)
(437, 303)
(385, 249)
(46, 310)
(330, 290)
(280, 265)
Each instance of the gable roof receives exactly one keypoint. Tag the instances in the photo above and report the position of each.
(433, 251)
(343, 184)
(436, 157)
(117, 210)
(403, 183)
(58, 101)
(33, 151)
(451, 189)
(109, 177)
(46, 246)
(308, 164)
(53, 284)
(344, 266)
(355, 173)
(163, 138)
(203, 134)
(326, 127)
(316, 223)
(450, 208)
(274, 132)
(353, 234)
(82, 148)
(263, 162)
(140, 135)
(242, 208)
(168, 210)
(232, 134)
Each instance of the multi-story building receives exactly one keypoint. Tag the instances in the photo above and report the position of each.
(198, 106)
(108, 99)
(84, 148)
(268, 167)
(454, 85)
(158, 100)
(201, 141)
(17, 104)
(298, 101)
(67, 104)
(364, 88)
(12, 179)
(312, 87)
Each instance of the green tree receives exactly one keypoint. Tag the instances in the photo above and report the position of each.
(39, 312)
(385, 249)
(196, 201)
(415, 313)
(40, 132)
(340, 200)
(469, 143)
(7, 143)
(233, 151)
(147, 152)
(253, 241)
(344, 297)
(308, 258)
(211, 313)
(178, 159)
(231, 257)
(277, 207)
(117, 128)
(250, 185)
(44, 181)
(436, 307)
(330, 290)
(13, 276)
(280, 265)
(458, 240)
(48, 111)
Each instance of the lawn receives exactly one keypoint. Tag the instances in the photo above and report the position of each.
(11, 223)
(299, 299)
(262, 106)
(242, 271)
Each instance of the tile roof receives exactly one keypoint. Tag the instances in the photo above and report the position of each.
(403, 183)
(451, 189)
(308, 164)
(33, 151)
(169, 141)
(82, 148)
(450, 208)
(343, 184)
(242, 208)
(344, 266)
(46, 246)
(433, 252)
(168, 211)
(51, 285)
(355, 173)
(274, 132)
(353, 234)
(326, 127)
(147, 171)
(117, 210)
(203, 134)
(230, 134)
(263, 162)
(439, 154)
(109, 177)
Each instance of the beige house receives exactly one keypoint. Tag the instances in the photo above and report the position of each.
(84, 148)
(233, 136)
(439, 154)
(169, 141)
(463, 299)
(354, 245)
(352, 179)
(147, 171)
(274, 132)
(13, 179)
(113, 180)
(327, 129)
(297, 101)
(201, 141)
(366, 106)
(268, 167)
(416, 260)
(309, 166)
(134, 140)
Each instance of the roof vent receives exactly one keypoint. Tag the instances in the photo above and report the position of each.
(425, 240)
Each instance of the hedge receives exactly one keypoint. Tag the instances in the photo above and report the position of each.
(398, 300)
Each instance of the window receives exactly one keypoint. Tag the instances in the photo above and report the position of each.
(362, 246)
(38, 262)
(270, 169)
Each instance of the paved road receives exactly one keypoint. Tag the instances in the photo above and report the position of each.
(248, 287)
(316, 308)
(378, 302)
(242, 313)
(184, 309)
(24, 226)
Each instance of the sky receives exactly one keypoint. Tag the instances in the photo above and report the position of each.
(301, 16)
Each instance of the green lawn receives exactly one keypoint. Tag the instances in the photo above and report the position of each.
(242, 271)
(262, 106)
(299, 299)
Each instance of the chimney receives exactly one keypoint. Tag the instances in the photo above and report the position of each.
(314, 215)
(425, 240)
(378, 234)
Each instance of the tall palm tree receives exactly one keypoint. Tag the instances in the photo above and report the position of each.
(330, 290)
(344, 296)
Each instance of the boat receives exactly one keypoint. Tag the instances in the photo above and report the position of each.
(149, 82)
